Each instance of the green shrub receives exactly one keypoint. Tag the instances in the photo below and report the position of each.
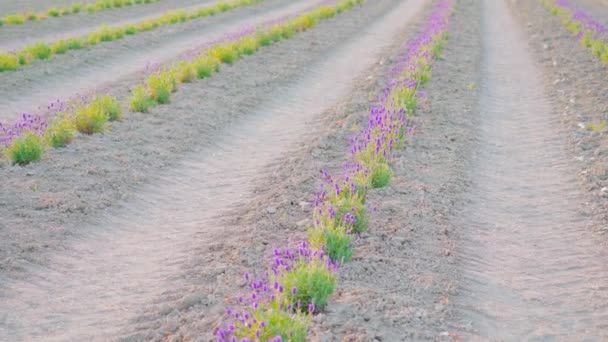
(39, 51)
(351, 205)
(25, 149)
(335, 241)
(381, 176)
(109, 106)
(290, 326)
(60, 132)
(60, 47)
(161, 86)
(8, 62)
(53, 12)
(249, 45)
(265, 39)
(15, 19)
(313, 283)
(31, 16)
(226, 53)
(130, 30)
(206, 66)
(140, 101)
(76, 8)
(185, 72)
(89, 119)
(76, 43)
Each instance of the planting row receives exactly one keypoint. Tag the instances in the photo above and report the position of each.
(299, 281)
(27, 140)
(10, 61)
(591, 33)
(21, 18)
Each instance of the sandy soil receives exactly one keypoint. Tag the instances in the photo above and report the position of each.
(577, 84)
(13, 37)
(118, 64)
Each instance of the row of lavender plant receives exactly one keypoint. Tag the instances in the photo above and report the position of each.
(591, 33)
(10, 61)
(281, 301)
(28, 139)
(74, 8)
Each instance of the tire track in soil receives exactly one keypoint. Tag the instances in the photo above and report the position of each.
(531, 268)
(99, 67)
(95, 289)
(13, 37)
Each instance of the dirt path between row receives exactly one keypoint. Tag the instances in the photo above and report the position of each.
(128, 265)
(13, 37)
(532, 268)
(113, 65)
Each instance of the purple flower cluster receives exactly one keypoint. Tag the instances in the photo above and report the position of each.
(588, 23)
(268, 293)
(28, 123)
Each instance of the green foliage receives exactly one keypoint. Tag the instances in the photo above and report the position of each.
(39, 51)
(206, 66)
(354, 205)
(336, 242)
(53, 12)
(161, 85)
(60, 47)
(185, 72)
(76, 8)
(25, 149)
(90, 118)
(130, 30)
(265, 39)
(290, 326)
(8, 62)
(226, 53)
(140, 101)
(381, 176)
(76, 43)
(60, 132)
(15, 19)
(249, 45)
(109, 106)
(313, 282)
(597, 128)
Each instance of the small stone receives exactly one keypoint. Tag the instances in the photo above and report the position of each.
(271, 210)
(545, 46)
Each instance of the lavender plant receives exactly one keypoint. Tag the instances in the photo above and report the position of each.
(42, 51)
(60, 131)
(591, 33)
(23, 143)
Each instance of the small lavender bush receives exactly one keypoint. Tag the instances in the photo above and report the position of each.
(26, 148)
(89, 119)
(60, 132)
(140, 101)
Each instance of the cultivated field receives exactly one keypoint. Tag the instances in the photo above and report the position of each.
(303, 170)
